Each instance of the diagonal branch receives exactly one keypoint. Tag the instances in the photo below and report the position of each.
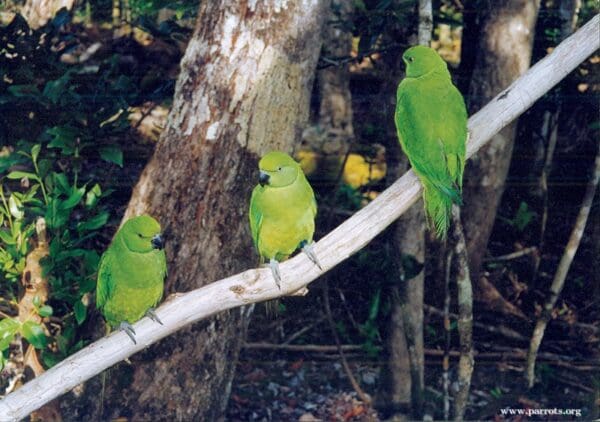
(257, 285)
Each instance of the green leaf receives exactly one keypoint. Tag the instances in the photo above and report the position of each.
(36, 301)
(34, 333)
(523, 217)
(80, 312)
(43, 166)
(8, 328)
(14, 205)
(63, 137)
(73, 199)
(35, 152)
(93, 223)
(51, 359)
(54, 90)
(45, 311)
(374, 309)
(112, 154)
(60, 180)
(7, 238)
(31, 91)
(21, 174)
(91, 198)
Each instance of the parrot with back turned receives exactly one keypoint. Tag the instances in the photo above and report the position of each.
(431, 120)
(131, 274)
(282, 211)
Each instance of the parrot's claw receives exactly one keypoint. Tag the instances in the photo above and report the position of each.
(150, 313)
(274, 265)
(128, 329)
(308, 249)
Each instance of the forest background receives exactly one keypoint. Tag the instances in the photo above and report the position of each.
(85, 98)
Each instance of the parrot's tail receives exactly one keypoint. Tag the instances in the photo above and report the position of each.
(438, 207)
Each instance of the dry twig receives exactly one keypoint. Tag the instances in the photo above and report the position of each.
(562, 270)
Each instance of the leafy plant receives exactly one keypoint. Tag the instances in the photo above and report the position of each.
(74, 215)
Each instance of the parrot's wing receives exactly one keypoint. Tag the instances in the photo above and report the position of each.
(454, 114)
(104, 285)
(430, 133)
(256, 216)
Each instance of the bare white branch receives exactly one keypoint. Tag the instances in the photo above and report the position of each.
(257, 285)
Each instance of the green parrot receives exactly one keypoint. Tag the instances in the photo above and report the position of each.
(131, 274)
(282, 211)
(431, 119)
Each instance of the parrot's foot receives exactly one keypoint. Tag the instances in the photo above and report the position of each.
(152, 315)
(308, 249)
(128, 329)
(274, 265)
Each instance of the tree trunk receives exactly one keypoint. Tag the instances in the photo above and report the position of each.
(403, 378)
(243, 90)
(504, 53)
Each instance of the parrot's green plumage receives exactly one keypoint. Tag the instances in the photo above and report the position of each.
(282, 210)
(131, 273)
(431, 120)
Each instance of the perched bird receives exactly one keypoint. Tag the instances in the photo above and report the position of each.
(131, 274)
(282, 211)
(431, 120)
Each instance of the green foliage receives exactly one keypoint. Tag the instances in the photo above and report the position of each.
(74, 215)
(60, 125)
(496, 393)
(523, 217)
(30, 330)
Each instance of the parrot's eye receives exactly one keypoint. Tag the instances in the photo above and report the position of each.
(139, 235)
(279, 169)
(411, 59)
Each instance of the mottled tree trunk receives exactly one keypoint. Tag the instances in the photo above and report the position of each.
(404, 371)
(504, 53)
(243, 90)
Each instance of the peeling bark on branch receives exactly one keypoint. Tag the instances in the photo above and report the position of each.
(257, 284)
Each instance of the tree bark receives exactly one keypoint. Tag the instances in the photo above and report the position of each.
(243, 90)
(403, 380)
(504, 53)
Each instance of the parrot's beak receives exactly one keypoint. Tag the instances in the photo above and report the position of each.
(263, 178)
(158, 242)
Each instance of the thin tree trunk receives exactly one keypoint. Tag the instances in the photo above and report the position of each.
(504, 53)
(465, 315)
(243, 90)
(561, 273)
(405, 367)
